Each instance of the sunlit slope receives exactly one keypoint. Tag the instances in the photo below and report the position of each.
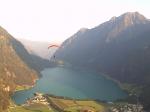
(17, 67)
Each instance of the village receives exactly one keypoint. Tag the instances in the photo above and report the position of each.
(126, 108)
(38, 98)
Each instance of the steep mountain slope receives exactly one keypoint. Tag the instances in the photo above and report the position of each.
(119, 48)
(38, 48)
(32, 60)
(17, 67)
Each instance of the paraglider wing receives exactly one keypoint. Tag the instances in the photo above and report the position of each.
(53, 46)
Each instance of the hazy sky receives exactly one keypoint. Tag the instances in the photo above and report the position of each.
(56, 20)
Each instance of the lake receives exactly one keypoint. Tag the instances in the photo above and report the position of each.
(72, 83)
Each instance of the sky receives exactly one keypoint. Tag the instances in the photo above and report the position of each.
(57, 20)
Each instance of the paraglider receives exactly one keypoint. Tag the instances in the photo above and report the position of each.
(53, 46)
(53, 58)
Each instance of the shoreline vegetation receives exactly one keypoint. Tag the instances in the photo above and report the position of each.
(21, 88)
(26, 87)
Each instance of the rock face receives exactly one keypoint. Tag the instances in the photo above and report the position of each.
(17, 67)
(119, 47)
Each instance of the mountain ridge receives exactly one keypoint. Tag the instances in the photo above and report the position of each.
(103, 36)
(118, 48)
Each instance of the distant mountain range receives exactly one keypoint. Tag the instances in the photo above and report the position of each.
(38, 48)
(119, 48)
(17, 67)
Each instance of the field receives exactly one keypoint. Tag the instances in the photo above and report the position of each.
(31, 108)
(19, 88)
(76, 105)
(59, 104)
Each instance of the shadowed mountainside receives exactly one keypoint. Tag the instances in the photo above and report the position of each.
(119, 48)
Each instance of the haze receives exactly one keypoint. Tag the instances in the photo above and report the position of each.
(56, 20)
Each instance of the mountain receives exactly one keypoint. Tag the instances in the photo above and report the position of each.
(17, 67)
(34, 61)
(119, 48)
(38, 48)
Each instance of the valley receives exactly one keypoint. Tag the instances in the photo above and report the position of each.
(105, 68)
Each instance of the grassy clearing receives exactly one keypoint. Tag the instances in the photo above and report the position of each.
(19, 88)
(19, 109)
(36, 107)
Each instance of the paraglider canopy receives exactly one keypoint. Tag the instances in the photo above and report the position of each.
(53, 45)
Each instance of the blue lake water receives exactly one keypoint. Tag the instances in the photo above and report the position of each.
(73, 83)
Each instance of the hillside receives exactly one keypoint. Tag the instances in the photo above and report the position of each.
(119, 48)
(32, 60)
(17, 67)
